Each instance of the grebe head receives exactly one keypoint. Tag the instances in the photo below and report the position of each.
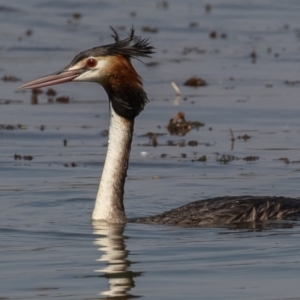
(110, 66)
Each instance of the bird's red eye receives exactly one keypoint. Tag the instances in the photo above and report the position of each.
(91, 62)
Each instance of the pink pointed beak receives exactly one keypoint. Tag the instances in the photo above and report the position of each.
(52, 79)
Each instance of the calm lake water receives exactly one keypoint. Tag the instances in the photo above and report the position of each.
(52, 153)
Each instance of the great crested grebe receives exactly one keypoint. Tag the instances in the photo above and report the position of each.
(110, 66)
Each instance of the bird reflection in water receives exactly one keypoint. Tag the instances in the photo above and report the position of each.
(111, 242)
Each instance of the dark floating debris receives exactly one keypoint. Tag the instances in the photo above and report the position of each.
(244, 137)
(197, 50)
(179, 126)
(152, 64)
(24, 157)
(149, 29)
(150, 134)
(193, 143)
(36, 91)
(152, 137)
(27, 157)
(176, 143)
(213, 34)
(193, 24)
(29, 32)
(154, 141)
(77, 15)
(104, 133)
(202, 158)
(292, 82)
(6, 101)
(10, 78)
(63, 99)
(195, 82)
(34, 96)
(12, 127)
(285, 160)
(51, 92)
(253, 56)
(73, 165)
(7, 127)
(251, 158)
(65, 142)
(232, 135)
(133, 14)
(164, 5)
(269, 50)
(207, 8)
(225, 158)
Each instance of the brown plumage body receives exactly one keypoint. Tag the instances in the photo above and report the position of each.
(228, 210)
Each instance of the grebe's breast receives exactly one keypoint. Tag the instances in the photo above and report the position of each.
(228, 210)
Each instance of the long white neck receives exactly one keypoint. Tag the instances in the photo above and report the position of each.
(109, 202)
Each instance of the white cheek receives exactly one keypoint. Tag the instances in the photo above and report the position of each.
(90, 75)
(102, 64)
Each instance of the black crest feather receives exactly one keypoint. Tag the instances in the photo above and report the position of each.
(131, 47)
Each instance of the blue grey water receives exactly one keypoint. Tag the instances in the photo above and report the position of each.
(50, 249)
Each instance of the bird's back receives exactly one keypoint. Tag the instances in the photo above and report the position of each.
(228, 210)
